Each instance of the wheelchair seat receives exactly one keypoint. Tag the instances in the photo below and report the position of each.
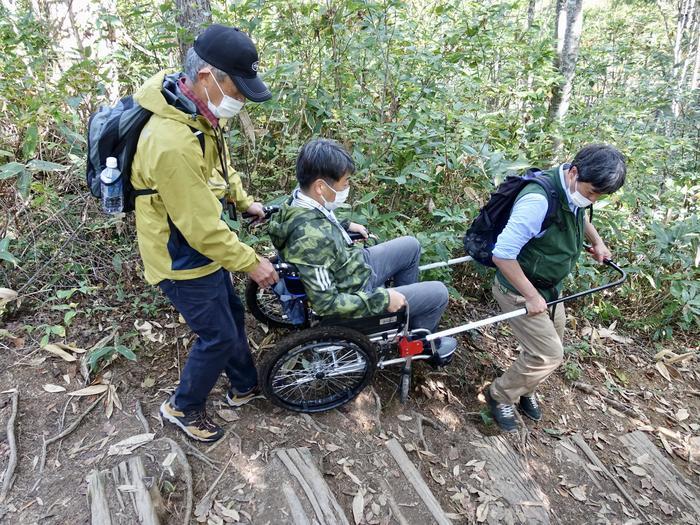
(371, 325)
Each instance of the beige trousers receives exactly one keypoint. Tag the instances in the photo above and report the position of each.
(541, 350)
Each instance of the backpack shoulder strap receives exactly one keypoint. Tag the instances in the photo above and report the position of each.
(552, 215)
(138, 193)
(200, 137)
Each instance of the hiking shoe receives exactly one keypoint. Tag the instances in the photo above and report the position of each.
(528, 405)
(235, 400)
(503, 414)
(195, 424)
(446, 347)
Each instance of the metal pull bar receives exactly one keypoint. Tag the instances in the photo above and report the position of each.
(523, 311)
(442, 264)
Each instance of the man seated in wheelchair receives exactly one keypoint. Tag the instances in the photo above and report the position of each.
(342, 278)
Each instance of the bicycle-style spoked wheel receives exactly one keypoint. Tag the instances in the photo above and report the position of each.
(265, 306)
(319, 369)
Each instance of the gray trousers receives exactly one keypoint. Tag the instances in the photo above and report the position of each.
(398, 259)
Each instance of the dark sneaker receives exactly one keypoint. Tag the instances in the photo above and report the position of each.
(503, 414)
(445, 351)
(235, 400)
(528, 405)
(196, 424)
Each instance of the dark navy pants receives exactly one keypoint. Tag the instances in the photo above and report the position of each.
(215, 313)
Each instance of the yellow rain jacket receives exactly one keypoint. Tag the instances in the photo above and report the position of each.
(180, 231)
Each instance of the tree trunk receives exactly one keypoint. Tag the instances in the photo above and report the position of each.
(695, 17)
(695, 79)
(192, 17)
(685, 13)
(531, 7)
(569, 23)
(559, 30)
(686, 25)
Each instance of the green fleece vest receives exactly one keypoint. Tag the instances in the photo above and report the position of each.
(547, 260)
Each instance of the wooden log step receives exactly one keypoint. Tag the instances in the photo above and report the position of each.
(417, 482)
(510, 480)
(645, 455)
(296, 492)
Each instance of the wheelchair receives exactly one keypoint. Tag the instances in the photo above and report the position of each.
(325, 362)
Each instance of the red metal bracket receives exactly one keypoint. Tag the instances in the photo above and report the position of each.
(410, 348)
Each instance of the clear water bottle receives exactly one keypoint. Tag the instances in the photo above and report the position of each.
(112, 197)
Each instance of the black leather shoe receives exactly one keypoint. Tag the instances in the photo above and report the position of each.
(528, 405)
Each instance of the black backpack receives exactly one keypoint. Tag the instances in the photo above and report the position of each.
(481, 236)
(114, 132)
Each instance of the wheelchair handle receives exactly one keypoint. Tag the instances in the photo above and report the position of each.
(284, 268)
(356, 236)
(523, 311)
(268, 210)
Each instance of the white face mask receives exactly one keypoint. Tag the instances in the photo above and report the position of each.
(227, 108)
(340, 197)
(578, 199)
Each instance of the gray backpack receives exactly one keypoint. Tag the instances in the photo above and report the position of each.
(114, 132)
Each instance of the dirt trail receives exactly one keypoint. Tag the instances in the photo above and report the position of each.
(631, 459)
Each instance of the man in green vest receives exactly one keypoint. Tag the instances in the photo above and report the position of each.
(531, 267)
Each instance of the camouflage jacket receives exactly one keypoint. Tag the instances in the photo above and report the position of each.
(335, 275)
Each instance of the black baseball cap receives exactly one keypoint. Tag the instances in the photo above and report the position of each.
(233, 52)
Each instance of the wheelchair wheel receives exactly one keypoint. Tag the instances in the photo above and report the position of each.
(318, 369)
(265, 306)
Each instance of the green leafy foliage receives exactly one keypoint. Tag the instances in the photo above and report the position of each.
(106, 354)
(437, 101)
(572, 371)
(99, 358)
(5, 254)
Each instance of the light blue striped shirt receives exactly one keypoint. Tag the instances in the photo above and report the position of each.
(526, 220)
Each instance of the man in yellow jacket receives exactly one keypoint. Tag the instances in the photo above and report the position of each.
(184, 182)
